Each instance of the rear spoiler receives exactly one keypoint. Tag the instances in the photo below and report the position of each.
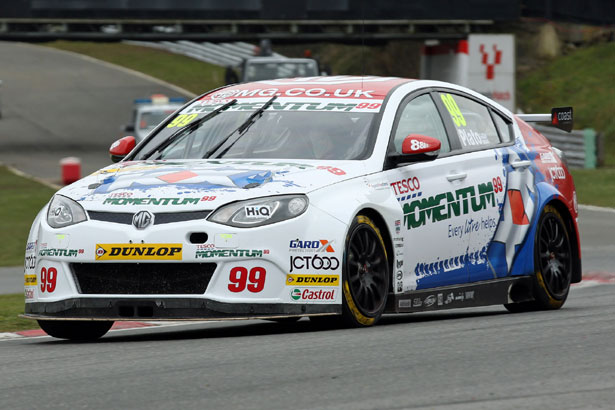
(560, 117)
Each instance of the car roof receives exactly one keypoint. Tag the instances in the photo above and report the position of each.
(158, 107)
(322, 87)
(279, 60)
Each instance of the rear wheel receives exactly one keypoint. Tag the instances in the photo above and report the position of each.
(365, 276)
(553, 264)
(75, 329)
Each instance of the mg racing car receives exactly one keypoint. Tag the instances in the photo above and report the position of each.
(336, 198)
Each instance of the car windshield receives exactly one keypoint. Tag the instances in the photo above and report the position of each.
(267, 70)
(274, 134)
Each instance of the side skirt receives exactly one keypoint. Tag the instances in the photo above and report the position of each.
(491, 292)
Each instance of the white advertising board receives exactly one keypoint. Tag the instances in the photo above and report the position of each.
(492, 67)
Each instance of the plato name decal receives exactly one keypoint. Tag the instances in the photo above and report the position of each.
(120, 251)
(444, 206)
(312, 280)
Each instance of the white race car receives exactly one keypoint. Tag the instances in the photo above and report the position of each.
(338, 198)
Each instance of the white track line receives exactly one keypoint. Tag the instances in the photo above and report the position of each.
(596, 208)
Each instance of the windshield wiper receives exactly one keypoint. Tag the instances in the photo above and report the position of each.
(242, 129)
(189, 127)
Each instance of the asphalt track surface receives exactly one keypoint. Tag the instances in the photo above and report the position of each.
(482, 358)
(57, 104)
(466, 359)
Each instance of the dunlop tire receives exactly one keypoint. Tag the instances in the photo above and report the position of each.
(353, 314)
(80, 330)
(544, 299)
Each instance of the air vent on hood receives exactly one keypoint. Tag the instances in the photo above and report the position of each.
(159, 217)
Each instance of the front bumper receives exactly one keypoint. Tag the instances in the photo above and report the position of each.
(236, 273)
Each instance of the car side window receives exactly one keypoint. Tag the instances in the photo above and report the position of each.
(472, 121)
(503, 127)
(420, 116)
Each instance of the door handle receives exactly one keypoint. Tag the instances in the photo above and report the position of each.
(521, 164)
(456, 177)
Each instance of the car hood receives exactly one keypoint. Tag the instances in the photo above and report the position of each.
(201, 184)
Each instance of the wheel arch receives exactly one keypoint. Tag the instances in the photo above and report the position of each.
(386, 236)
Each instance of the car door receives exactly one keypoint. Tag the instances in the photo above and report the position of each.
(480, 162)
(432, 196)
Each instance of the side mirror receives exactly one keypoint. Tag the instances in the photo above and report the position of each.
(122, 147)
(417, 148)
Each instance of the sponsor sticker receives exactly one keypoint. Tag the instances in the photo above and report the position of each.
(548, 158)
(30, 280)
(30, 246)
(321, 245)
(446, 205)
(30, 262)
(121, 251)
(152, 201)
(29, 293)
(557, 173)
(258, 211)
(429, 301)
(314, 262)
(231, 253)
(69, 253)
(226, 240)
(405, 303)
(312, 294)
(312, 280)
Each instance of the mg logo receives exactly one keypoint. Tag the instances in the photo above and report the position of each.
(142, 219)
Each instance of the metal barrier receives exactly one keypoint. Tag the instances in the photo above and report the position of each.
(222, 54)
(581, 147)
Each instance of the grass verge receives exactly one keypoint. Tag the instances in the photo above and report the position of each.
(583, 79)
(20, 202)
(10, 307)
(185, 72)
(595, 186)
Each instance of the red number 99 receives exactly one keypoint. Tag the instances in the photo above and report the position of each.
(239, 278)
(257, 279)
(497, 184)
(48, 279)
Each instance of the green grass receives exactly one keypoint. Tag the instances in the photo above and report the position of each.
(584, 79)
(595, 186)
(10, 307)
(20, 201)
(185, 72)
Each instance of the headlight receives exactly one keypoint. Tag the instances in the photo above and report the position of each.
(64, 212)
(262, 211)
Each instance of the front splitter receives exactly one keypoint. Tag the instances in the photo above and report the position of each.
(168, 309)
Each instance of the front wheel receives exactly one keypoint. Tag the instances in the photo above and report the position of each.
(75, 329)
(365, 275)
(553, 264)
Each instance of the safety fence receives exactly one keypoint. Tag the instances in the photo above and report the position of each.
(222, 54)
(583, 148)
